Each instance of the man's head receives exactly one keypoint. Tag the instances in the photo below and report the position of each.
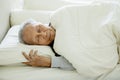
(35, 33)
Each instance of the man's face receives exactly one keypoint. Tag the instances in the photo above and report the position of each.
(38, 34)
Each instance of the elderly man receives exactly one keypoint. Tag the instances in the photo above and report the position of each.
(35, 33)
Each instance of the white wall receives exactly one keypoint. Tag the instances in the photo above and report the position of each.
(5, 7)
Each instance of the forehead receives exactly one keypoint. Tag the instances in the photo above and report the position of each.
(29, 27)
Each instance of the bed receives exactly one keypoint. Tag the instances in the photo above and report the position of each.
(11, 67)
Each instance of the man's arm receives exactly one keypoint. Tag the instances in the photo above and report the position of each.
(46, 61)
(61, 62)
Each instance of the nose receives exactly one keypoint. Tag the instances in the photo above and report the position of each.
(42, 33)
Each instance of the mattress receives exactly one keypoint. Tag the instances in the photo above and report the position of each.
(11, 67)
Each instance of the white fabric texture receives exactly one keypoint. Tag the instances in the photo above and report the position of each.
(85, 37)
(19, 16)
(12, 50)
(112, 75)
(49, 4)
(20, 72)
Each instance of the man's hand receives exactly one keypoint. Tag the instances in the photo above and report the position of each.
(37, 60)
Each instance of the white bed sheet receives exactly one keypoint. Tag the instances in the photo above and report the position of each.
(20, 72)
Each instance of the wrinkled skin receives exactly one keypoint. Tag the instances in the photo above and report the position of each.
(37, 60)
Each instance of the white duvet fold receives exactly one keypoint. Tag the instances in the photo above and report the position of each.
(85, 36)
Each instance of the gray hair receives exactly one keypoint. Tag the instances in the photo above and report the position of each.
(22, 26)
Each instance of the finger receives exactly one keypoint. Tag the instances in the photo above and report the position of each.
(31, 54)
(27, 63)
(35, 53)
(31, 51)
(26, 56)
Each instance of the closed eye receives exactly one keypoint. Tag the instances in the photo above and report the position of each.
(38, 29)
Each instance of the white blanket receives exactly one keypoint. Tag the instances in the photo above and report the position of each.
(85, 36)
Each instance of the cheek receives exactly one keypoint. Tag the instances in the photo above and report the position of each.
(43, 28)
(53, 35)
(42, 41)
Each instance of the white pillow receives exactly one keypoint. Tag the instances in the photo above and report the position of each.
(84, 37)
(11, 49)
